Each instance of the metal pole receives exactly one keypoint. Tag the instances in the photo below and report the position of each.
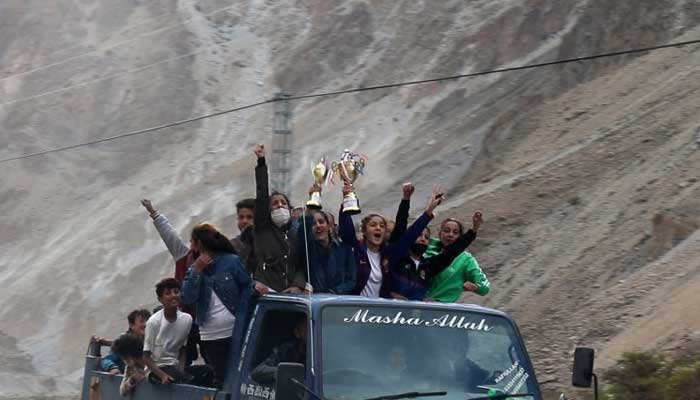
(281, 145)
(595, 385)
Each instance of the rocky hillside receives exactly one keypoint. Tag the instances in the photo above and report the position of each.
(587, 172)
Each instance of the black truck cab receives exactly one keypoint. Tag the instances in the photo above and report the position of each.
(359, 348)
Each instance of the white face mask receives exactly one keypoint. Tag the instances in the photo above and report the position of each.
(280, 216)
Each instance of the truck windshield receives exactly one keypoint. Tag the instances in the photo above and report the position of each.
(376, 351)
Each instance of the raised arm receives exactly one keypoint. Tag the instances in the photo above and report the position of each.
(176, 246)
(346, 228)
(400, 248)
(262, 190)
(435, 265)
(401, 223)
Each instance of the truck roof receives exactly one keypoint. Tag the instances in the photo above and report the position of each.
(316, 301)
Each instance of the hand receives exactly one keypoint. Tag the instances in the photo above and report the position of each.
(429, 300)
(314, 188)
(113, 371)
(293, 290)
(347, 188)
(136, 378)
(397, 296)
(165, 379)
(259, 150)
(408, 190)
(435, 199)
(470, 287)
(261, 288)
(99, 340)
(477, 220)
(148, 206)
(202, 262)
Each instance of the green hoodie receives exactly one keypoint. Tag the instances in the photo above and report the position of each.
(447, 286)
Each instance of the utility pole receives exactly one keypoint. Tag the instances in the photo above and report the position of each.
(281, 145)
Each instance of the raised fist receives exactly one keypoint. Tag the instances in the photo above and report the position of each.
(477, 220)
(259, 150)
(408, 190)
(148, 206)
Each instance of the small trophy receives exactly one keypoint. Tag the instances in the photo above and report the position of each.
(320, 173)
(349, 168)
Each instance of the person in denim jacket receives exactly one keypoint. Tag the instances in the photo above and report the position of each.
(219, 286)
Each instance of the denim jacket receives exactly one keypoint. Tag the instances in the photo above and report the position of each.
(227, 277)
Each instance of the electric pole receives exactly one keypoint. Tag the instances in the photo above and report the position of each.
(281, 145)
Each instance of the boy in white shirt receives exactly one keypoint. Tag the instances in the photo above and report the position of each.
(166, 337)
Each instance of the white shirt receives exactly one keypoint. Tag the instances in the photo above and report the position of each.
(416, 262)
(164, 339)
(219, 321)
(374, 283)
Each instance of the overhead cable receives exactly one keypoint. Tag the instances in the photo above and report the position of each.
(355, 90)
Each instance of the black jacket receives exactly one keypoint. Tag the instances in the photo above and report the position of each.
(275, 255)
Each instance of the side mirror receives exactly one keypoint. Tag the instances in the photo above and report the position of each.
(583, 367)
(286, 388)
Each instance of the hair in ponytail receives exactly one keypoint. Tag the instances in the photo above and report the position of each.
(211, 239)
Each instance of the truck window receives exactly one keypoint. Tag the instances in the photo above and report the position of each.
(401, 349)
(279, 340)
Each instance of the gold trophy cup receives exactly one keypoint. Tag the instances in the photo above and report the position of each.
(320, 173)
(349, 168)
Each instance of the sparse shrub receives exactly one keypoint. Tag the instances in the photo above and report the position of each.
(684, 382)
(637, 376)
(649, 376)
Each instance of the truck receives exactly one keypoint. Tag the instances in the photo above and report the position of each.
(358, 348)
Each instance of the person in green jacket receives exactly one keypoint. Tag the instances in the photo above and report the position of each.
(464, 274)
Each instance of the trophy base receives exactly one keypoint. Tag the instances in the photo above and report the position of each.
(351, 205)
(314, 201)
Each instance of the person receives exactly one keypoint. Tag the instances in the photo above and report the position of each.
(166, 336)
(331, 264)
(274, 239)
(463, 274)
(390, 225)
(219, 287)
(129, 347)
(333, 226)
(292, 351)
(184, 257)
(112, 363)
(412, 272)
(374, 254)
(245, 218)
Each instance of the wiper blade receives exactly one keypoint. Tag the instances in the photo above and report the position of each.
(408, 395)
(502, 396)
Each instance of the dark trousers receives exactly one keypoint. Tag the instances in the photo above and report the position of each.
(198, 375)
(192, 354)
(216, 353)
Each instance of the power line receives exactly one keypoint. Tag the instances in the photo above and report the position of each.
(355, 90)
(117, 44)
(139, 132)
(107, 77)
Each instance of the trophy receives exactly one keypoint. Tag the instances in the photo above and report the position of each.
(320, 173)
(349, 167)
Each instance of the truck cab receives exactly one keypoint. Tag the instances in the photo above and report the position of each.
(359, 348)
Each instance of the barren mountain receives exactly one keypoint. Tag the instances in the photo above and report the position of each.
(586, 172)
